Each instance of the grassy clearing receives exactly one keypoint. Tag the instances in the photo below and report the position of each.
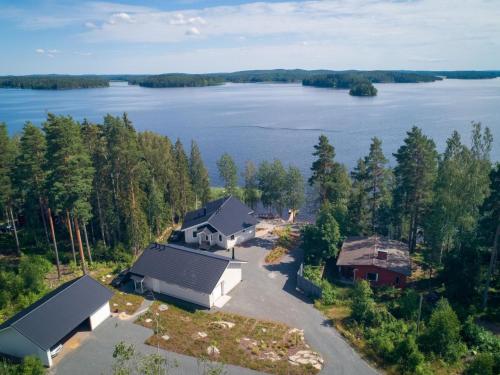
(250, 343)
(275, 255)
(124, 302)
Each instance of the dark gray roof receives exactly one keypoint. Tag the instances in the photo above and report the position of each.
(228, 215)
(55, 315)
(187, 268)
(363, 251)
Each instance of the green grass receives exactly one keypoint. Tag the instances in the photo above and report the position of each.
(264, 336)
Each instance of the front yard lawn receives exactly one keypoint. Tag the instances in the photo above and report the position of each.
(124, 302)
(232, 339)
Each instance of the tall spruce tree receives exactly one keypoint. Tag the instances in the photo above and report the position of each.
(378, 184)
(415, 174)
(184, 190)
(358, 221)
(199, 176)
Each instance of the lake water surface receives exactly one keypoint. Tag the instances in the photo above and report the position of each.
(266, 121)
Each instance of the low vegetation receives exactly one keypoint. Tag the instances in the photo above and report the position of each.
(247, 342)
(286, 241)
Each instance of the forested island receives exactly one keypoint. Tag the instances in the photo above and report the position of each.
(53, 82)
(176, 80)
(344, 79)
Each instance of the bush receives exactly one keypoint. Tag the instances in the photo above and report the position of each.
(328, 295)
(31, 366)
(408, 305)
(442, 335)
(313, 273)
(408, 355)
(479, 338)
(363, 305)
(483, 364)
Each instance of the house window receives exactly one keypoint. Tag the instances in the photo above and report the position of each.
(195, 233)
(232, 237)
(372, 276)
(220, 237)
(397, 280)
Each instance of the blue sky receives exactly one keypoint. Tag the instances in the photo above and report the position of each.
(77, 37)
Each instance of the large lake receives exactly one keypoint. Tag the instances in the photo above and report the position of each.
(266, 121)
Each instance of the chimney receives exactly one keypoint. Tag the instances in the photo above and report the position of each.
(232, 255)
(381, 254)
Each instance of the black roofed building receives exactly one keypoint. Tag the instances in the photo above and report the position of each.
(224, 222)
(52, 319)
(191, 275)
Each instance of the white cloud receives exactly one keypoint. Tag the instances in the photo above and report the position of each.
(90, 25)
(193, 31)
(40, 50)
(79, 53)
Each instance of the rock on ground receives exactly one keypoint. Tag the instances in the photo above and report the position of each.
(306, 357)
(222, 324)
(213, 350)
(163, 307)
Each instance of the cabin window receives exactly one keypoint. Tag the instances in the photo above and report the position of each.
(220, 237)
(195, 233)
(370, 276)
(397, 280)
(232, 237)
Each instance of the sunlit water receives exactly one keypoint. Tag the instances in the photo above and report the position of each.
(266, 121)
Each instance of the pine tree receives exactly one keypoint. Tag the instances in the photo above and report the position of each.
(199, 176)
(228, 173)
(378, 184)
(70, 171)
(294, 190)
(415, 174)
(29, 177)
(358, 207)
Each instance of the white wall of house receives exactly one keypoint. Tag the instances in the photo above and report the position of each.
(226, 242)
(231, 277)
(176, 291)
(13, 343)
(99, 316)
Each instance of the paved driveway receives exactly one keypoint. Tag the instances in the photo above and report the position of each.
(268, 292)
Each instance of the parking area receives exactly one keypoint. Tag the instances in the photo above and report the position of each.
(269, 292)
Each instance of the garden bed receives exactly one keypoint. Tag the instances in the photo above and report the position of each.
(231, 339)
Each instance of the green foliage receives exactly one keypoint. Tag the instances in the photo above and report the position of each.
(442, 334)
(363, 305)
(321, 241)
(408, 305)
(228, 173)
(250, 192)
(479, 338)
(199, 175)
(328, 295)
(484, 364)
(29, 366)
(362, 88)
(6, 160)
(53, 82)
(176, 80)
(313, 273)
(415, 174)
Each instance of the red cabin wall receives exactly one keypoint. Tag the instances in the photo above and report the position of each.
(385, 277)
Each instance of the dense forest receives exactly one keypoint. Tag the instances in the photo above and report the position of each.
(76, 194)
(53, 82)
(310, 77)
(176, 80)
(446, 207)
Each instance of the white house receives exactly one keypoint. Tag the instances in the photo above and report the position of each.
(80, 303)
(191, 275)
(224, 222)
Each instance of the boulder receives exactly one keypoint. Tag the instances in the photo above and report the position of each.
(163, 307)
(166, 337)
(222, 324)
(306, 357)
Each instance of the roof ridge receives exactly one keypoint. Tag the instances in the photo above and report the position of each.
(194, 251)
(226, 199)
(70, 284)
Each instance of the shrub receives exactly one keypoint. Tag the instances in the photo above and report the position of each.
(385, 338)
(31, 366)
(313, 273)
(442, 335)
(328, 295)
(479, 338)
(483, 364)
(408, 355)
(363, 305)
(408, 305)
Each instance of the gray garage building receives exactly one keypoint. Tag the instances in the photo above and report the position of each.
(82, 302)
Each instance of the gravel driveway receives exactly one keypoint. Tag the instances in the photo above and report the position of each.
(268, 292)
